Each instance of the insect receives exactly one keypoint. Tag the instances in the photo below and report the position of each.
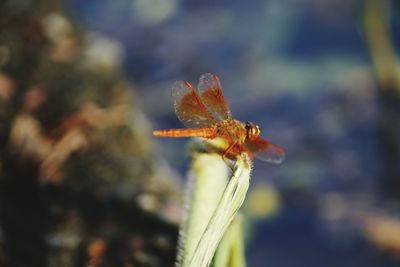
(206, 114)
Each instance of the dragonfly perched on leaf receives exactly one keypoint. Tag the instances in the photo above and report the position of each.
(206, 114)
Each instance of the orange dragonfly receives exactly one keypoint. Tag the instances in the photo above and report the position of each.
(206, 114)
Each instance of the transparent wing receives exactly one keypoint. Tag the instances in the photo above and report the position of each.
(266, 151)
(211, 94)
(189, 107)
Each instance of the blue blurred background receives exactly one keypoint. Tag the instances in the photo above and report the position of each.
(304, 71)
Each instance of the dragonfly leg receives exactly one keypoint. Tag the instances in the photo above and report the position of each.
(228, 149)
(225, 154)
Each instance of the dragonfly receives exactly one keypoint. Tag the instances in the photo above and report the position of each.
(206, 114)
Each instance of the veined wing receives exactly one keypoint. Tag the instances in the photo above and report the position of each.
(190, 108)
(266, 151)
(211, 94)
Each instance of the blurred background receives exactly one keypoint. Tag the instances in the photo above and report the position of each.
(83, 83)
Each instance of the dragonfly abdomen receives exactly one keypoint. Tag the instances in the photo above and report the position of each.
(195, 132)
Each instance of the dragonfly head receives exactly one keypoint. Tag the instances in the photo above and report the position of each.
(252, 130)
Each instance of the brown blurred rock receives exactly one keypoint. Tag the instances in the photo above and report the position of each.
(77, 161)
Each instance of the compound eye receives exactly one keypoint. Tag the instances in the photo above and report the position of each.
(254, 131)
(247, 125)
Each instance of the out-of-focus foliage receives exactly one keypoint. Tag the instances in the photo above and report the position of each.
(230, 252)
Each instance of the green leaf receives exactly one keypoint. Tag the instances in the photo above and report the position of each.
(215, 195)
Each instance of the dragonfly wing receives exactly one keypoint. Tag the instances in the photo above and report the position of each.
(189, 107)
(211, 94)
(265, 151)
